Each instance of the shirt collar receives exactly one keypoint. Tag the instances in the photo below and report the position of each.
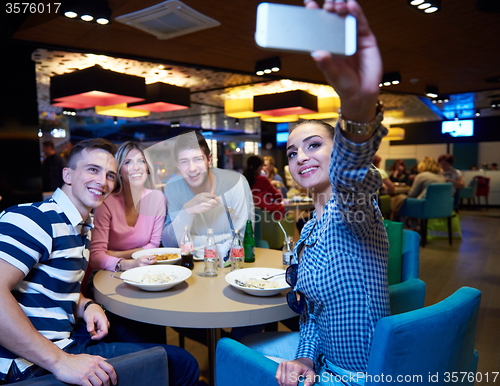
(70, 210)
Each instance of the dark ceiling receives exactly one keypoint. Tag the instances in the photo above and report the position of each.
(456, 49)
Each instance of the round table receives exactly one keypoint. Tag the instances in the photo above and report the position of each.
(199, 302)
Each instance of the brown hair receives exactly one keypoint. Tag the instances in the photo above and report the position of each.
(89, 144)
(448, 158)
(327, 126)
(190, 140)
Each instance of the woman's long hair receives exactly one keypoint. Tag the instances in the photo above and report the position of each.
(121, 155)
(429, 164)
(253, 164)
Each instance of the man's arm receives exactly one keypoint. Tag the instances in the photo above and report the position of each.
(20, 337)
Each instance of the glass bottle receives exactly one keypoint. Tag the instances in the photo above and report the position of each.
(287, 250)
(237, 253)
(187, 249)
(249, 243)
(210, 255)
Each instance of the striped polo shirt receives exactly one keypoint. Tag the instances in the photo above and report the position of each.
(48, 242)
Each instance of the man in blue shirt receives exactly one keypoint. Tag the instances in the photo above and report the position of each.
(43, 257)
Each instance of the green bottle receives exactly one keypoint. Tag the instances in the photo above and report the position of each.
(249, 243)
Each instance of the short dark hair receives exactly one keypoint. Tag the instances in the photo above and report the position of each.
(446, 158)
(48, 144)
(89, 144)
(188, 141)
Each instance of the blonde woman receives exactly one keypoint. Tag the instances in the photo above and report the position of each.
(271, 172)
(130, 220)
(429, 172)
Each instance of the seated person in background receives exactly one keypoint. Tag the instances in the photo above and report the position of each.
(429, 172)
(46, 324)
(387, 184)
(450, 173)
(271, 172)
(129, 220)
(265, 196)
(399, 174)
(494, 166)
(202, 197)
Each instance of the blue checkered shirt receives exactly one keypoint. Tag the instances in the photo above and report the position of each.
(343, 268)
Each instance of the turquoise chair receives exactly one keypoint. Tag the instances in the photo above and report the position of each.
(469, 192)
(429, 342)
(409, 293)
(438, 203)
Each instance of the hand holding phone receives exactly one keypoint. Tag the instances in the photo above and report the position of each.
(299, 29)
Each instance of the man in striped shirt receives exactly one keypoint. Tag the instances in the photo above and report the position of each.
(43, 257)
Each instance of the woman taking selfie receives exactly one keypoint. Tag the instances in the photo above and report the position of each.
(339, 286)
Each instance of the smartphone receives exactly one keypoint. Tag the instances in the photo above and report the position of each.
(299, 29)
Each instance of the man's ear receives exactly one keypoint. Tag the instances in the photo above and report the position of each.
(209, 160)
(67, 174)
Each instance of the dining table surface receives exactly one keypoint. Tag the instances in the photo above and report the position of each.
(198, 302)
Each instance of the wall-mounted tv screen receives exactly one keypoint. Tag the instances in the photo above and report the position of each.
(461, 128)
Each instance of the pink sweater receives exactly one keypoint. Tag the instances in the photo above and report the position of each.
(111, 231)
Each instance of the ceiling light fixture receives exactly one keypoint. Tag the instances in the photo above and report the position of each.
(431, 91)
(240, 108)
(426, 6)
(441, 99)
(162, 97)
(390, 78)
(285, 103)
(120, 110)
(267, 66)
(95, 86)
(495, 104)
(88, 10)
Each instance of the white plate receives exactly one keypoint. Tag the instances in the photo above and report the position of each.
(136, 274)
(159, 251)
(258, 273)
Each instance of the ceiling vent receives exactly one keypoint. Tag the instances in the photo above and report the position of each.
(168, 19)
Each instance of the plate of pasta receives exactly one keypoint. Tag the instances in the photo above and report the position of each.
(156, 277)
(162, 255)
(253, 282)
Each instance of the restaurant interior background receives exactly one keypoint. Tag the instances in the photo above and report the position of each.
(421, 53)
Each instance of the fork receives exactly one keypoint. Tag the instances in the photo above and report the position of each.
(270, 277)
(243, 284)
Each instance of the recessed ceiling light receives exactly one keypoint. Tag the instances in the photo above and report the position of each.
(424, 5)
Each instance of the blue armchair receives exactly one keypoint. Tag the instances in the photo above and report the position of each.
(438, 203)
(430, 341)
(409, 294)
(146, 367)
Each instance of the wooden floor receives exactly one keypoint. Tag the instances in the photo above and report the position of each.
(473, 261)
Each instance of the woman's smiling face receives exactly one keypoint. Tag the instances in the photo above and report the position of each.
(309, 148)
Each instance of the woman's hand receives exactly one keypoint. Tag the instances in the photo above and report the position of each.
(291, 372)
(142, 261)
(356, 78)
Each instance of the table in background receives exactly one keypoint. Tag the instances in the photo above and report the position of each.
(199, 302)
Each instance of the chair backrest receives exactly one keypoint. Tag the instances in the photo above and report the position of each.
(438, 200)
(483, 186)
(422, 343)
